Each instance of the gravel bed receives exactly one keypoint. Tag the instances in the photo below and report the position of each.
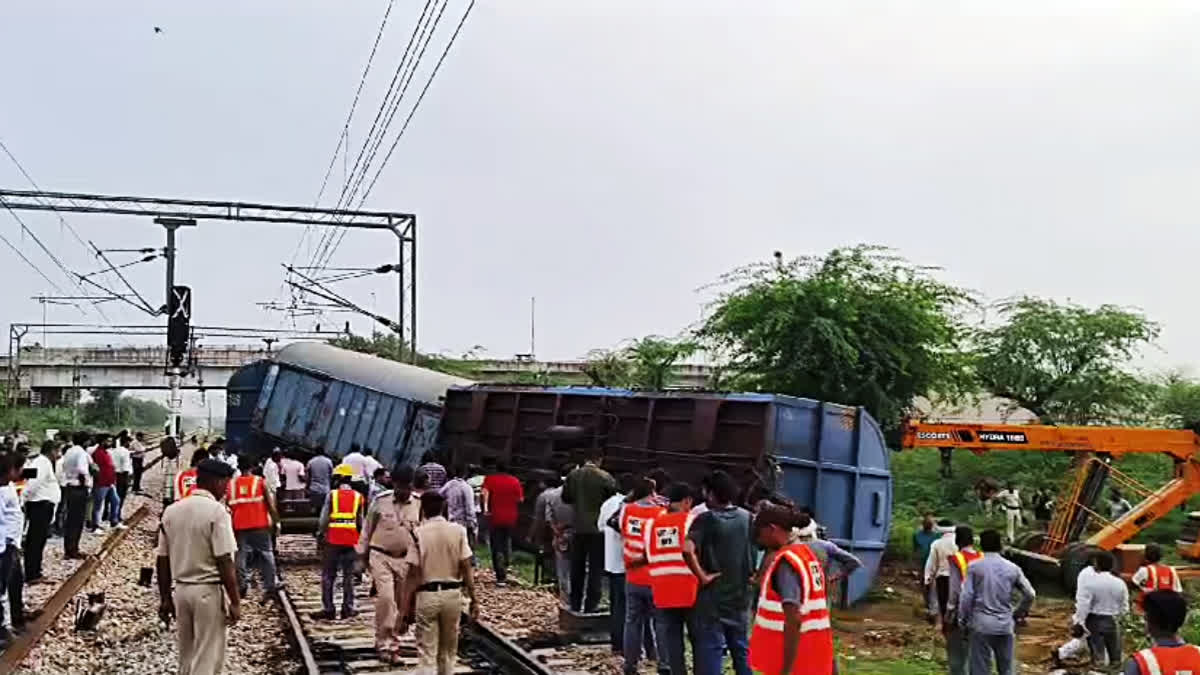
(130, 638)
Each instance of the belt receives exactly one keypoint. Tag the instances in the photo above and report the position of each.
(1013, 508)
(435, 586)
(386, 552)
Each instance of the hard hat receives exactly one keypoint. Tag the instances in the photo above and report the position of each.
(344, 470)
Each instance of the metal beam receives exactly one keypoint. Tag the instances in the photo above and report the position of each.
(157, 207)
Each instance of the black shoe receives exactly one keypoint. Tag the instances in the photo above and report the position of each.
(242, 591)
(322, 616)
(350, 615)
(74, 556)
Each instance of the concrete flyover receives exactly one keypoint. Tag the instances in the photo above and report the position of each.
(53, 375)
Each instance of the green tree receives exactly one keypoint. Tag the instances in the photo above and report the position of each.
(608, 368)
(390, 346)
(1177, 401)
(858, 326)
(1065, 363)
(111, 408)
(653, 359)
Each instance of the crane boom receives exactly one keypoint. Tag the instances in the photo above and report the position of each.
(1180, 444)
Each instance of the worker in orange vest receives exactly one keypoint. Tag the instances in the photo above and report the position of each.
(671, 580)
(956, 637)
(1168, 653)
(252, 508)
(341, 521)
(1155, 576)
(185, 481)
(791, 634)
(639, 509)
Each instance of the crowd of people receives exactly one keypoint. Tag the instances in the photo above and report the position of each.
(54, 490)
(969, 590)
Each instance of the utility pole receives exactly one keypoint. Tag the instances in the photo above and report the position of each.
(174, 372)
(532, 332)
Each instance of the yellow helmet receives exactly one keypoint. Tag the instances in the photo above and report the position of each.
(344, 470)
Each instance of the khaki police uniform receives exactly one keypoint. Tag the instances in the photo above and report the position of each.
(194, 532)
(386, 539)
(440, 548)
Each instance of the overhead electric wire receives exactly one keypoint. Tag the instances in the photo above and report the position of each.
(343, 138)
(396, 141)
(37, 187)
(30, 263)
(327, 237)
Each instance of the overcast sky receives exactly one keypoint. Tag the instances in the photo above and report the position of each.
(612, 157)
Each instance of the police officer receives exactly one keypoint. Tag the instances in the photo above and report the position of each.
(439, 569)
(195, 549)
(387, 536)
(341, 521)
(252, 508)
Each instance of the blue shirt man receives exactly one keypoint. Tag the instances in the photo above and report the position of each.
(986, 606)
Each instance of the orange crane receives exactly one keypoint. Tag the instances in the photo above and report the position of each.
(1094, 448)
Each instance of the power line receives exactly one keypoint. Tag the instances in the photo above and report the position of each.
(39, 189)
(29, 262)
(409, 118)
(344, 138)
(327, 237)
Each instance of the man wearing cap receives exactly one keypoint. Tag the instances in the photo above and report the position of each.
(387, 536)
(195, 550)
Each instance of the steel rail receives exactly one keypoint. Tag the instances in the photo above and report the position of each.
(24, 643)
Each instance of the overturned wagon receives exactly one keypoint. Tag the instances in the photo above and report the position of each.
(827, 456)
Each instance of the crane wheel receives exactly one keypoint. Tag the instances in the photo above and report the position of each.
(1073, 559)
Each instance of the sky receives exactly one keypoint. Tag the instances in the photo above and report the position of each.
(613, 158)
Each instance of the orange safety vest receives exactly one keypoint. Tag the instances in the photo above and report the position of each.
(1159, 578)
(343, 517)
(633, 531)
(964, 558)
(672, 581)
(248, 504)
(185, 482)
(1182, 660)
(815, 651)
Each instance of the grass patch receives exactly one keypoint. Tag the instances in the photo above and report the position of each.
(520, 565)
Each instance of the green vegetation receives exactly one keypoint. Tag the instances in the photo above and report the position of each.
(859, 326)
(110, 408)
(1064, 363)
(647, 363)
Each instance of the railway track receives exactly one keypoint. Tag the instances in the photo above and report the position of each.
(11, 658)
(347, 646)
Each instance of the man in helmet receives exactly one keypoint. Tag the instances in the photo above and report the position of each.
(340, 524)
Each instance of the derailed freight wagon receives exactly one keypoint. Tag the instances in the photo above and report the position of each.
(830, 457)
(310, 396)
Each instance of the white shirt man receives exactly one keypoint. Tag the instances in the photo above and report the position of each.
(370, 466)
(937, 569)
(357, 461)
(122, 461)
(1010, 500)
(76, 465)
(12, 520)
(614, 563)
(44, 486)
(271, 475)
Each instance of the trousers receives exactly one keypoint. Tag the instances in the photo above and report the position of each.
(640, 614)
(671, 623)
(713, 636)
(957, 650)
(250, 542)
(388, 574)
(587, 563)
(40, 514)
(437, 616)
(139, 467)
(200, 611)
(338, 557)
(105, 502)
(1012, 519)
(499, 542)
(75, 497)
(1104, 639)
(122, 486)
(984, 648)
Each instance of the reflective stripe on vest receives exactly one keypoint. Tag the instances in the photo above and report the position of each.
(964, 558)
(633, 532)
(185, 482)
(1182, 660)
(248, 503)
(343, 517)
(1159, 578)
(671, 580)
(816, 635)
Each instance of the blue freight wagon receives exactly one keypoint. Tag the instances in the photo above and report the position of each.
(830, 457)
(313, 396)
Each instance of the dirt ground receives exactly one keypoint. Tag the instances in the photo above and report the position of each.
(889, 627)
